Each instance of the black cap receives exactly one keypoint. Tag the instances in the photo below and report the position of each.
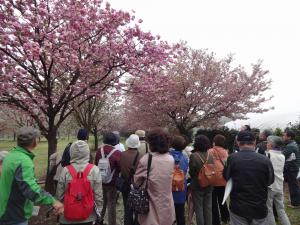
(83, 135)
(245, 136)
(110, 139)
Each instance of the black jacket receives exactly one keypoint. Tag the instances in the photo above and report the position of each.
(251, 175)
(261, 147)
(291, 147)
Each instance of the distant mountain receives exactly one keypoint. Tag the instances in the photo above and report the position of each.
(267, 121)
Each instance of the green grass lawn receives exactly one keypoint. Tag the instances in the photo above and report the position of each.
(40, 162)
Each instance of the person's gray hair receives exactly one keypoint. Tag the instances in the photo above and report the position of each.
(275, 141)
(26, 136)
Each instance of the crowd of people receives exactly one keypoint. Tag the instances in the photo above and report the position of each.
(168, 169)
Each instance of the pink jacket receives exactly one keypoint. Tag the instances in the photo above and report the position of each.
(162, 210)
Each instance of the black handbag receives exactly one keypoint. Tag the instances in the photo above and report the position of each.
(138, 198)
(122, 184)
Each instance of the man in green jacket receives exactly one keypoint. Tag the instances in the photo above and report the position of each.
(18, 185)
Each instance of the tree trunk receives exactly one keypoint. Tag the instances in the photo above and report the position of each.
(95, 133)
(52, 145)
(187, 133)
(15, 136)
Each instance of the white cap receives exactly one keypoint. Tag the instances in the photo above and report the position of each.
(133, 141)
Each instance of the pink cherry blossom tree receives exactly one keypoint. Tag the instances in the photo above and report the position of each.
(54, 53)
(98, 115)
(198, 89)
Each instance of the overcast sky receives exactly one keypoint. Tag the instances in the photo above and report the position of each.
(252, 30)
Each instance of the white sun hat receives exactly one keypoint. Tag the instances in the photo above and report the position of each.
(133, 141)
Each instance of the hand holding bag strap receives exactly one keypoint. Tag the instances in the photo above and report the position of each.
(148, 169)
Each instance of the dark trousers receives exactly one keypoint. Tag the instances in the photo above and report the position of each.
(130, 218)
(109, 202)
(202, 200)
(291, 177)
(179, 211)
(217, 207)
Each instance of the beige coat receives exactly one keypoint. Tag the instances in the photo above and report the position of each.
(142, 149)
(162, 210)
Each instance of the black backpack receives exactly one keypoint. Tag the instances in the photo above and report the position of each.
(65, 160)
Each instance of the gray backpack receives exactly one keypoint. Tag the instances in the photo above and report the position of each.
(104, 166)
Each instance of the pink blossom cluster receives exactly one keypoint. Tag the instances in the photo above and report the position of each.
(197, 90)
(53, 52)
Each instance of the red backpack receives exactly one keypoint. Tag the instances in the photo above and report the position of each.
(79, 197)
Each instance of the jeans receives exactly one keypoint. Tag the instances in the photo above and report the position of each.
(217, 207)
(202, 200)
(130, 218)
(179, 211)
(238, 220)
(109, 202)
(291, 177)
(276, 198)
